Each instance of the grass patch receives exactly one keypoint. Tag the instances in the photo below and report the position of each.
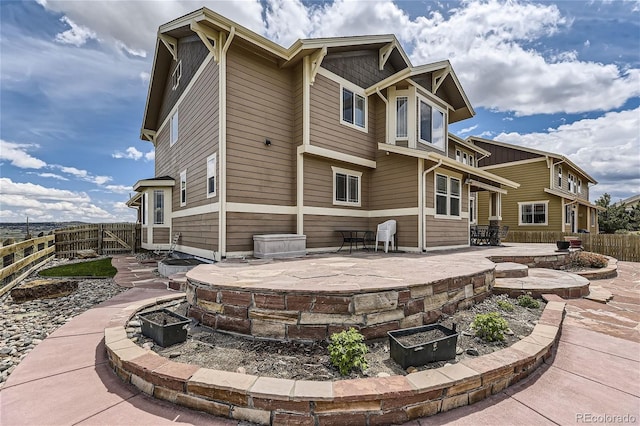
(94, 268)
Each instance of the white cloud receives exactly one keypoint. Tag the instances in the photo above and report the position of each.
(52, 175)
(467, 130)
(42, 203)
(130, 153)
(119, 189)
(73, 171)
(100, 180)
(83, 175)
(77, 35)
(150, 156)
(589, 144)
(18, 156)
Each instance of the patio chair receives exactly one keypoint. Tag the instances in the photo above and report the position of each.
(385, 233)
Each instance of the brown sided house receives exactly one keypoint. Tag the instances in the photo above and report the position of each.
(554, 195)
(337, 133)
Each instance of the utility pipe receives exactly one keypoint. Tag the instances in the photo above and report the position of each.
(422, 205)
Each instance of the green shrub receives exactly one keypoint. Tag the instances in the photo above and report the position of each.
(94, 268)
(526, 301)
(505, 306)
(490, 327)
(588, 260)
(347, 351)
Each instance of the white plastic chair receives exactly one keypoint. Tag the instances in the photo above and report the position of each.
(385, 233)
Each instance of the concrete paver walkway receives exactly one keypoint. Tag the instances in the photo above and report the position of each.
(596, 371)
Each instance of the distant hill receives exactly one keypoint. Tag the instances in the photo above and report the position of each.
(18, 231)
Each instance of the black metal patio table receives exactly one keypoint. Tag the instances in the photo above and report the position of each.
(354, 236)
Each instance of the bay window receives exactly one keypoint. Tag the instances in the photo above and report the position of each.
(402, 123)
(354, 109)
(158, 207)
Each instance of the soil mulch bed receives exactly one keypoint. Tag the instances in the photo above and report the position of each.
(310, 361)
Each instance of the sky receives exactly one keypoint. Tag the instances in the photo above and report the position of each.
(559, 76)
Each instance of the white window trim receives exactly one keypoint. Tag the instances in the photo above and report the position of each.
(546, 213)
(161, 191)
(145, 209)
(348, 173)
(473, 206)
(560, 177)
(356, 91)
(440, 147)
(183, 178)
(406, 98)
(448, 197)
(173, 141)
(214, 158)
(175, 76)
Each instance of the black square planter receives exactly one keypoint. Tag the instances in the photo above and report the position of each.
(166, 328)
(440, 349)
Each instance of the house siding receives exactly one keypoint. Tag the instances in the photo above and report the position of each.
(406, 229)
(192, 53)
(318, 183)
(321, 231)
(359, 67)
(197, 139)
(198, 231)
(500, 154)
(533, 178)
(441, 232)
(161, 235)
(241, 227)
(259, 106)
(394, 182)
(325, 128)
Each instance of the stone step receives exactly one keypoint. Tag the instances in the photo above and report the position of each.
(598, 294)
(511, 270)
(544, 281)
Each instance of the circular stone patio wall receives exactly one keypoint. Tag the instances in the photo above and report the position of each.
(303, 313)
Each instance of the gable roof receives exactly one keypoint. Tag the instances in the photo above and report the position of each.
(536, 152)
(387, 44)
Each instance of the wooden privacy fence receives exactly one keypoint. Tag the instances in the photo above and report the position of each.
(104, 238)
(621, 246)
(20, 259)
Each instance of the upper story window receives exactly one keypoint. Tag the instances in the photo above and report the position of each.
(354, 109)
(579, 186)
(432, 127)
(447, 196)
(346, 187)
(174, 129)
(212, 165)
(471, 161)
(402, 117)
(458, 156)
(183, 188)
(175, 77)
(533, 213)
(572, 183)
(560, 177)
(158, 207)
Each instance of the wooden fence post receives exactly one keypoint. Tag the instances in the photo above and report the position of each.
(100, 242)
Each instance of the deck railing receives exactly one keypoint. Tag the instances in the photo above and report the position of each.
(20, 259)
(624, 247)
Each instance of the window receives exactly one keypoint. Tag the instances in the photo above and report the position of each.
(174, 128)
(571, 182)
(473, 209)
(567, 214)
(560, 177)
(143, 208)
(353, 108)
(346, 187)
(495, 206)
(533, 213)
(471, 161)
(212, 165)
(579, 186)
(183, 188)
(175, 77)
(431, 125)
(447, 196)
(158, 207)
(402, 117)
(465, 160)
(458, 156)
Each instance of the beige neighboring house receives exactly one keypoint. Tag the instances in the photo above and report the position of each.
(629, 203)
(554, 191)
(336, 133)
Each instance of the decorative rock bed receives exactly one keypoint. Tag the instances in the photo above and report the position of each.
(381, 400)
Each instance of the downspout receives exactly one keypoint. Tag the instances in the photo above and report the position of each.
(222, 108)
(423, 233)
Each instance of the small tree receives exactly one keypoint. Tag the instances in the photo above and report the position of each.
(613, 218)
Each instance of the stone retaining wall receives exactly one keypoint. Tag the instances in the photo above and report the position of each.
(372, 401)
(552, 261)
(305, 315)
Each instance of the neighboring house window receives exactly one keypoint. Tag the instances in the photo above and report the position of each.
(471, 161)
(473, 209)
(174, 128)
(571, 183)
(158, 207)
(175, 77)
(431, 125)
(143, 208)
(560, 177)
(212, 165)
(579, 186)
(458, 156)
(567, 214)
(346, 187)
(464, 158)
(534, 213)
(402, 117)
(447, 196)
(183, 188)
(354, 108)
